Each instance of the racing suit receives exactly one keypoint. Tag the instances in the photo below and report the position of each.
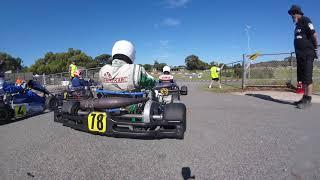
(121, 76)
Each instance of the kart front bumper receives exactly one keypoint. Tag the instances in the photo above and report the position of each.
(116, 128)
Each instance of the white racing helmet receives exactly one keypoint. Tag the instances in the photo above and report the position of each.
(124, 50)
(166, 69)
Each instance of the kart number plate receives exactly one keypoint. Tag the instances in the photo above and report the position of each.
(97, 122)
(20, 111)
(164, 91)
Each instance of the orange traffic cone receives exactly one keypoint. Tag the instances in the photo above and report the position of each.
(299, 89)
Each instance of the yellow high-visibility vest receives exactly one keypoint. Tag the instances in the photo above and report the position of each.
(214, 73)
(74, 69)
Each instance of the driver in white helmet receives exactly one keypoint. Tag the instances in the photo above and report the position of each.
(122, 74)
(166, 76)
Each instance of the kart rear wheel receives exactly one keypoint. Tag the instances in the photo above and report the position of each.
(51, 103)
(176, 112)
(70, 107)
(184, 90)
(57, 116)
(5, 113)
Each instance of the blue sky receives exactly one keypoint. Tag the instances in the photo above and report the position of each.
(168, 30)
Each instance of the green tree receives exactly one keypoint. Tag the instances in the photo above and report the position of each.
(103, 59)
(147, 67)
(59, 62)
(11, 63)
(158, 66)
(194, 63)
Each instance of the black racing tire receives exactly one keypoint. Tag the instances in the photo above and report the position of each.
(57, 115)
(52, 103)
(70, 107)
(184, 90)
(176, 112)
(5, 113)
(180, 131)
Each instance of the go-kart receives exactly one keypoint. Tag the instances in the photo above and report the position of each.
(170, 92)
(20, 102)
(125, 114)
(79, 93)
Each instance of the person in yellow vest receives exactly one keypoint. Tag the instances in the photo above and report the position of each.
(73, 69)
(215, 74)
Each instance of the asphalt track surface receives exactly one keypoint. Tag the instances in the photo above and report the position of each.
(228, 137)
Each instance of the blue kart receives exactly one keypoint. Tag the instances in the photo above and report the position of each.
(19, 101)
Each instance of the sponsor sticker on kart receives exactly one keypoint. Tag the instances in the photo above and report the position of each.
(20, 111)
(97, 122)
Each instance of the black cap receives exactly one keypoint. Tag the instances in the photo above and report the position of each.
(295, 9)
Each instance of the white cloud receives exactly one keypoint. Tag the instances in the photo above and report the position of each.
(164, 43)
(176, 3)
(163, 52)
(171, 22)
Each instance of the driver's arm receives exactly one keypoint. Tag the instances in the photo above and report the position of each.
(146, 80)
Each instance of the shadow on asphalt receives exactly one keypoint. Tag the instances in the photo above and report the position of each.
(186, 173)
(2, 123)
(269, 98)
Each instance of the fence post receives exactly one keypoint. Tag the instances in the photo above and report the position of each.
(225, 75)
(44, 79)
(243, 71)
(291, 63)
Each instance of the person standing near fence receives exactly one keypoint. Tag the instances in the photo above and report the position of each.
(72, 69)
(305, 44)
(215, 74)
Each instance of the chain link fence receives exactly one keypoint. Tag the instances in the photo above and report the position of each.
(231, 74)
(269, 70)
(276, 70)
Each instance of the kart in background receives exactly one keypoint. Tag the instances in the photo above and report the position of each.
(26, 103)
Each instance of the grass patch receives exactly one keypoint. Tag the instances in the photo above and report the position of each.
(225, 88)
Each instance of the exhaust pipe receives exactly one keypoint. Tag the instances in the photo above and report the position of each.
(110, 102)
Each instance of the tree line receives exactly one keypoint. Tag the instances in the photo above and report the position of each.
(52, 63)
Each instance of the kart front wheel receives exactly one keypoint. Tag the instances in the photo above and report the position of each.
(51, 103)
(70, 107)
(5, 113)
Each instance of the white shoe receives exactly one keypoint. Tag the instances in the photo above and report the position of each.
(220, 87)
(209, 87)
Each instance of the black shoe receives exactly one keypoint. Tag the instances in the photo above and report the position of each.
(305, 103)
(300, 101)
(297, 102)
